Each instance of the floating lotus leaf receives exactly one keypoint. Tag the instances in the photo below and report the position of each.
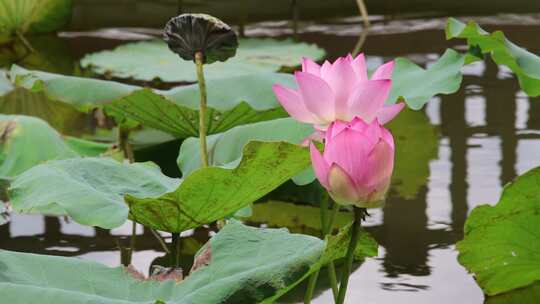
(149, 60)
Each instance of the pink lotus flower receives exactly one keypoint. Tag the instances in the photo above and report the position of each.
(339, 91)
(357, 162)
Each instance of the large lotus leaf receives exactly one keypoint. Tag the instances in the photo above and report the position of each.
(83, 93)
(91, 190)
(501, 244)
(231, 101)
(523, 63)
(527, 295)
(225, 149)
(94, 191)
(246, 265)
(416, 86)
(412, 129)
(33, 16)
(28, 141)
(212, 193)
(149, 60)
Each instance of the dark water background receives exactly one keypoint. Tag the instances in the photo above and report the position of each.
(481, 138)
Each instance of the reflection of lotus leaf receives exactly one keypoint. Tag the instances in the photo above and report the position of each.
(411, 130)
(149, 60)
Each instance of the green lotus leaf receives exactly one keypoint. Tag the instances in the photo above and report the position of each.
(90, 190)
(28, 141)
(523, 63)
(225, 149)
(246, 265)
(149, 60)
(94, 191)
(501, 244)
(212, 193)
(527, 295)
(232, 101)
(416, 86)
(33, 16)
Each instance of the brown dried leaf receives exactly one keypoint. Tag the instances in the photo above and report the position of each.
(202, 259)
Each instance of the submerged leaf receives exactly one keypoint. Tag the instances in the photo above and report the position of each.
(248, 265)
(501, 244)
(149, 60)
(523, 63)
(188, 34)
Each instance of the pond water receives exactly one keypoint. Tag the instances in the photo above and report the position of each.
(481, 138)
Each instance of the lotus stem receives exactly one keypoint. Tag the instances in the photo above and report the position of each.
(160, 240)
(123, 143)
(199, 60)
(363, 12)
(133, 240)
(295, 15)
(355, 233)
(25, 41)
(175, 244)
(326, 228)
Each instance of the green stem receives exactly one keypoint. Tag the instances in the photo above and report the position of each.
(175, 244)
(311, 287)
(326, 228)
(358, 214)
(123, 143)
(199, 61)
(25, 42)
(331, 267)
(160, 240)
(133, 240)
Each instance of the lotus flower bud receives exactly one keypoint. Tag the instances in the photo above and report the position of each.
(189, 34)
(357, 163)
(339, 91)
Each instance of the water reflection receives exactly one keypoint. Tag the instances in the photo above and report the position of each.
(484, 136)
